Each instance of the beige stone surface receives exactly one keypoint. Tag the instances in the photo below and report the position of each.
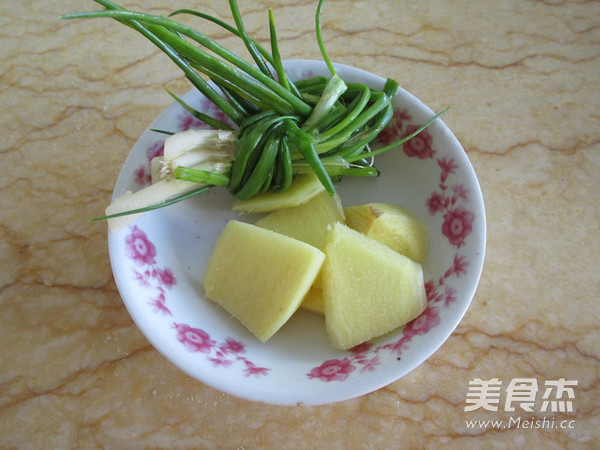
(523, 82)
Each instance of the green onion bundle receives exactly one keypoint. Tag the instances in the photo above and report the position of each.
(282, 127)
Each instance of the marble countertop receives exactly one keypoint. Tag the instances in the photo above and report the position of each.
(523, 82)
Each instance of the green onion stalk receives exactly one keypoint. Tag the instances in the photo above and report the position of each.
(283, 128)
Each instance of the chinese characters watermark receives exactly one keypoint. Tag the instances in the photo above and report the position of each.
(557, 395)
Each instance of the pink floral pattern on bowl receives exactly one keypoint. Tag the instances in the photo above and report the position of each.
(139, 248)
(222, 355)
(158, 264)
(143, 253)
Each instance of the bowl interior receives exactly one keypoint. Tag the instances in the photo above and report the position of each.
(158, 264)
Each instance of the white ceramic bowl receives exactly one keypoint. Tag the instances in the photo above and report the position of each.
(159, 261)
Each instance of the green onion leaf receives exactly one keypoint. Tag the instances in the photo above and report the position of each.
(399, 142)
(320, 38)
(304, 144)
(208, 120)
(200, 176)
(332, 92)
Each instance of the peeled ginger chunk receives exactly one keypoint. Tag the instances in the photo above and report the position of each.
(259, 276)
(303, 188)
(313, 301)
(307, 222)
(368, 288)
